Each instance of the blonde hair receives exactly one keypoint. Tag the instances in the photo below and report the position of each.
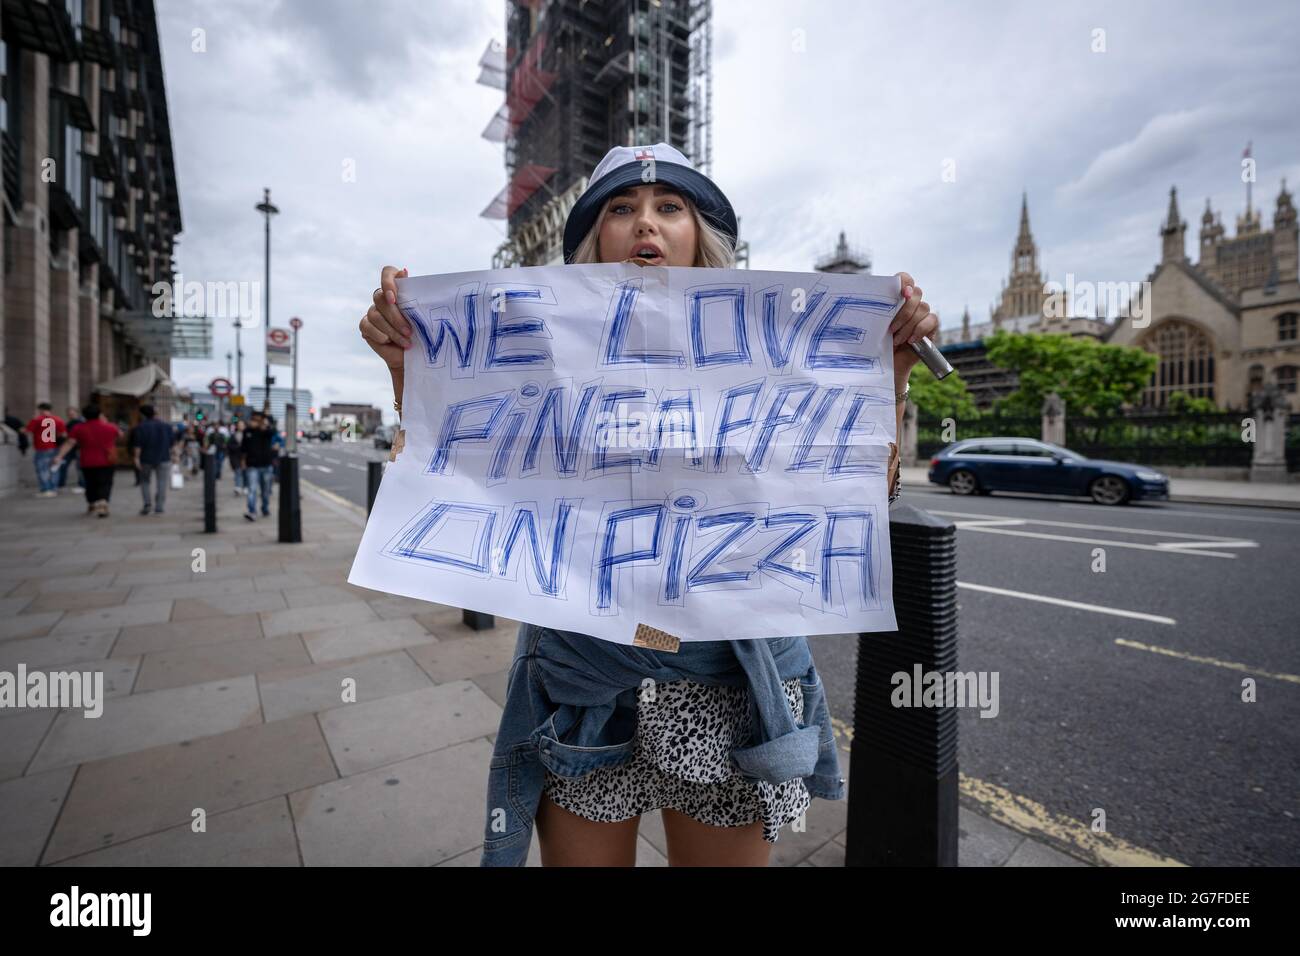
(713, 248)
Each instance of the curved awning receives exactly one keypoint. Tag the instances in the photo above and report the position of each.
(137, 383)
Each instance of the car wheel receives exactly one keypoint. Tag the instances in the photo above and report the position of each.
(962, 482)
(1109, 490)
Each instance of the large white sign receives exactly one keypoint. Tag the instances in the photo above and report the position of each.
(596, 447)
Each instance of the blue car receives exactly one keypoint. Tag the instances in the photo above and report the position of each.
(982, 465)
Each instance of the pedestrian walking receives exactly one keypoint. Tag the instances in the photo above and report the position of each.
(235, 452)
(151, 445)
(191, 449)
(259, 463)
(621, 753)
(217, 439)
(74, 419)
(96, 440)
(47, 431)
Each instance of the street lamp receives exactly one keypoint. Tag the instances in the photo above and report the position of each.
(239, 357)
(268, 211)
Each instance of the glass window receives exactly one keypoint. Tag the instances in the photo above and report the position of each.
(76, 13)
(72, 161)
(4, 87)
(1286, 326)
(1033, 450)
(1186, 362)
(1286, 376)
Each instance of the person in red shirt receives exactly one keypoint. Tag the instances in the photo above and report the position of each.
(47, 430)
(96, 441)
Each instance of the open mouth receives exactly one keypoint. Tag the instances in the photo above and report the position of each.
(649, 251)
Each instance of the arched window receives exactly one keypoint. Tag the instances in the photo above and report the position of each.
(1287, 325)
(1186, 362)
(1285, 376)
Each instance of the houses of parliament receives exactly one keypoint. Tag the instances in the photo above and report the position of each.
(1221, 326)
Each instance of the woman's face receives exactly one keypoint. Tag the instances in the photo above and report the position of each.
(649, 219)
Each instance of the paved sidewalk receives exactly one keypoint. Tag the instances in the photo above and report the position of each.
(1260, 494)
(225, 710)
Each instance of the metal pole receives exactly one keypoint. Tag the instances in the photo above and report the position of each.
(291, 417)
(268, 210)
(290, 514)
(239, 358)
(209, 493)
(374, 475)
(903, 770)
(266, 372)
(290, 504)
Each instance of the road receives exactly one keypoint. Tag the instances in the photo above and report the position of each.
(1130, 698)
(339, 466)
(1119, 690)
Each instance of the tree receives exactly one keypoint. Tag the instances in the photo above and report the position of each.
(1092, 377)
(945, 397)
(1182, 403)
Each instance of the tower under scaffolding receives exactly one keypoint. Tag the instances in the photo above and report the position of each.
(580, 76)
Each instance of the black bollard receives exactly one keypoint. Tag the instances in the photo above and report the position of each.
(903, 768)
(374, 475)
(478, 621)
(290, 505)
(209, 494)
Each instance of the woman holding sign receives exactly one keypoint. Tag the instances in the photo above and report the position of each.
(596, 733)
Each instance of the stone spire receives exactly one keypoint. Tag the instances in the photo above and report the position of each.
(1211, 236)
(1172, 232)
(1286, 238)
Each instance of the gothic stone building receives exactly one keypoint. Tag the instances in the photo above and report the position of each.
(1227, 323)
(1221, 327)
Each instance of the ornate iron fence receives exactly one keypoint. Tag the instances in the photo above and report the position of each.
(1214, 439)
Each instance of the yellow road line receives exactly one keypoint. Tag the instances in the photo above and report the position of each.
(1231, 665)
(1034, 820)
(1076, 838)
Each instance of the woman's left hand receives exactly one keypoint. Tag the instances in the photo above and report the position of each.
(913, 320)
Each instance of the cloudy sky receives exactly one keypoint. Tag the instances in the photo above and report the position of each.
(364, 119)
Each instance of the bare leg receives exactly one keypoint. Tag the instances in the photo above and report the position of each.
(567, 839)
(692, 843)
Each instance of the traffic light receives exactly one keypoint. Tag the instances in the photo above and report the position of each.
(198, 415)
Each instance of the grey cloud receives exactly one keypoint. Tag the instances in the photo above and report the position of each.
(370, 49)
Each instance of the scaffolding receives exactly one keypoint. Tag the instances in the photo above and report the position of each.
(578, 77)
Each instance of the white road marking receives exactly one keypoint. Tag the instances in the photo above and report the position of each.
(1218, 544)
(334, 461)
(1156, 511)
(356, 466)
(324, 468)
(1062, 602)
(1197, 545)
(1093, 527)
(1106, 541)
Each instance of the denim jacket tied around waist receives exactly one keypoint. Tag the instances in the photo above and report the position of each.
(571, 708)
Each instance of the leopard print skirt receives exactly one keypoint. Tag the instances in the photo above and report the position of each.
(682, 760)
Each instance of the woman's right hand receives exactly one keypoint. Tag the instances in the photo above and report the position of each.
(383, 326)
